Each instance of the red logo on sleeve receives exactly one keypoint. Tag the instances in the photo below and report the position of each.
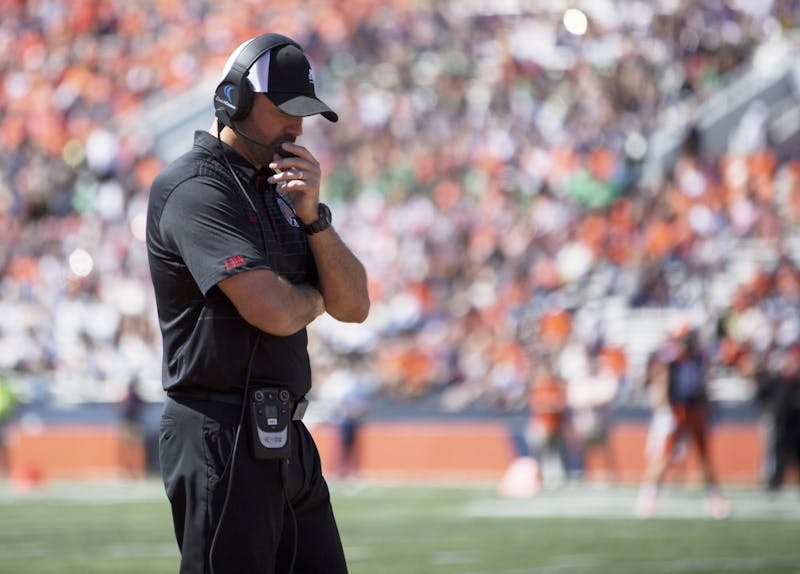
(233, 262)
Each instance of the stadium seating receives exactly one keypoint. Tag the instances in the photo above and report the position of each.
(487, 169)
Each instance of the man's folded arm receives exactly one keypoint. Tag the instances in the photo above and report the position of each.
(271, 303)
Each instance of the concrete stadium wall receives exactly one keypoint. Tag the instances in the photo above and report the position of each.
(406, 450)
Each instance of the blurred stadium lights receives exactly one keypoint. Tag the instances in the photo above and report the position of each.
(81, 262)
(635, 146)
(73, 153)
(575, 22)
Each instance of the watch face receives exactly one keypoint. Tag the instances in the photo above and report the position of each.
(325, 213)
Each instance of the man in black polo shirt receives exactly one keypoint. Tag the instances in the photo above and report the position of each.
(243, 257)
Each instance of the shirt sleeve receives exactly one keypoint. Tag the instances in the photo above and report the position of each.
(215, 232)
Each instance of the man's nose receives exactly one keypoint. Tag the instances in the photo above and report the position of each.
(295, 127)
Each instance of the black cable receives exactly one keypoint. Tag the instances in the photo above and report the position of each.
(244, 192)
(236, 177)
(231, 460)
(231, 463)
(285, 478)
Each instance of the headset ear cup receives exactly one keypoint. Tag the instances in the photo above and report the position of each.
(226, 103)
(244, 101)
(232, 103)
(233, 98)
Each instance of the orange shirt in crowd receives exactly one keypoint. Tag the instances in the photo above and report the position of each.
(547, 400)
(555, 327)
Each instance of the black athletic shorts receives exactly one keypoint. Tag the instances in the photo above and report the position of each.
(257, 532)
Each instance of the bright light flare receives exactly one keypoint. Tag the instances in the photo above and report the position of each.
(81, 262)
(575, 22)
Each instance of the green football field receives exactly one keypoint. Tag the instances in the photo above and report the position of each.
(401, 529)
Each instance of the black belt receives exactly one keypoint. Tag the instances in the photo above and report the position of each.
(232, 398)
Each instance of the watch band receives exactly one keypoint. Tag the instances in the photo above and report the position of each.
(322, 223)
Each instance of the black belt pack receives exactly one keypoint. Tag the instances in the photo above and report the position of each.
(270, 411)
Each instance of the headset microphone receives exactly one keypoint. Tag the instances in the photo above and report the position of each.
(277, 148)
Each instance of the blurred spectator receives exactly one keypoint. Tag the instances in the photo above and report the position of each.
(590, 395)
(681, 370)
(346, 394)
(132, 412)
(779, 392)
(548, 428)
(662, 421)
(8, 408)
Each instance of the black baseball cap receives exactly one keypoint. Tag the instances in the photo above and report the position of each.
(284, 75)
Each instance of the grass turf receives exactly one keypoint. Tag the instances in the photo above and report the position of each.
(400, 529)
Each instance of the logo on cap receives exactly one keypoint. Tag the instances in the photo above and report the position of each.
(310, 76)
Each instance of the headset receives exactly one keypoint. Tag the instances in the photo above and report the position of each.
(233, 98)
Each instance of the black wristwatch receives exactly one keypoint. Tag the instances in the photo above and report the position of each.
(323, 221)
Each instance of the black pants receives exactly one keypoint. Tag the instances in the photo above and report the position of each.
(786, 447)
(257, 532)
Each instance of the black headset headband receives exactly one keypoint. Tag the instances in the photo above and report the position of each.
(233, 97)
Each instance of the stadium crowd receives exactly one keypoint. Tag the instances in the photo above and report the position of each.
(485, 170)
